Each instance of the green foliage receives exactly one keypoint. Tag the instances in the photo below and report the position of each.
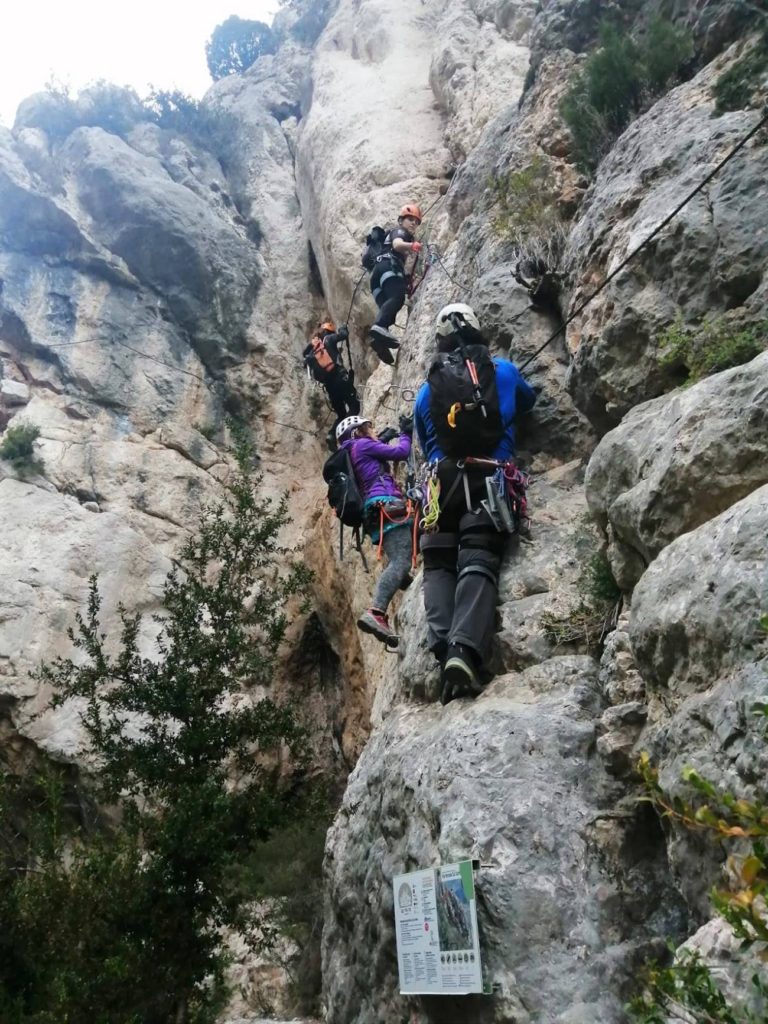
(615, 83)
(236, 44)
(527, 214)
(601, 585)
(594, 613)
(17, 447)
(687, 990)
(191, 758)
(713, 345)
(735, 88)
(665, 49)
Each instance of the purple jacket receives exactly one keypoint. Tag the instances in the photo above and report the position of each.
(369, 460)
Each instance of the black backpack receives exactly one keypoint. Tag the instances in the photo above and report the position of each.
(463, 425)
(374, 247)
(343, 492)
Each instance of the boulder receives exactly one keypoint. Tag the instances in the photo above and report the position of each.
(709, 259)
(572, 884)
(678, 461)
(696, 611)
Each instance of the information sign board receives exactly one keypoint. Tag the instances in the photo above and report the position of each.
(438, 950)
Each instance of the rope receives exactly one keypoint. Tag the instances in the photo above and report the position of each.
(351, 304)
(702, 184)
(122, 344)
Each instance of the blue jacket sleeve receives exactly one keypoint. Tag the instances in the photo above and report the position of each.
(386, 452)
(526, 396)
(419, 418)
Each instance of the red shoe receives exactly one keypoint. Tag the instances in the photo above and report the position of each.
(376, 623)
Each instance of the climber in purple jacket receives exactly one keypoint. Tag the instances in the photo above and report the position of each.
(384, 509)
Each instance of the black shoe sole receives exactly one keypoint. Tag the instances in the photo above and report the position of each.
(462, 677)
(389, 342)
(390, 639)
(383, 353)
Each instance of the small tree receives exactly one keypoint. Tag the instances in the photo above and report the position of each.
(191, 758)
(235, 44)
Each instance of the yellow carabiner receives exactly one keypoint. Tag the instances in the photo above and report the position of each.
(455, 408)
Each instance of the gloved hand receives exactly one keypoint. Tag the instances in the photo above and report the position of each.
(387, 435)
(343, 333)
(416, 246)
(406, 425)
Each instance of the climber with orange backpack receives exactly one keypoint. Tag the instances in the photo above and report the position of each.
(323, 360)
(385, 258)
(387, 517)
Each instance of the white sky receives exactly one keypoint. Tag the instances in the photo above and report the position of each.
(128, 42)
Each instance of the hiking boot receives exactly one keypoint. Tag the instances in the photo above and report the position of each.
(386, 336)
(381, 350)
(460, 677)
(376, 623)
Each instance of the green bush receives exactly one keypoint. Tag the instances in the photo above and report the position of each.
(17, 447)
(616, 82)
(527, 215)
(713, 345)
(597, 606)
(735, 88)
(136, 913)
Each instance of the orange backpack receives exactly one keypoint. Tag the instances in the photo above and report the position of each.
(322, 358)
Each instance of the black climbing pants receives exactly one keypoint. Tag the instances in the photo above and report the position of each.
(388, 285)
(342, 395)
(461, 565)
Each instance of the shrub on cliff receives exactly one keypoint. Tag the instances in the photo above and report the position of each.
(192, 761)
(526, 212)
(617, 81)
(690, 989)
(735, 89)
(713, 345)
(17, 448)
(235, 45)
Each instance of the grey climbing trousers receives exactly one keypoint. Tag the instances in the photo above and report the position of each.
(461, 570)
(397, 547)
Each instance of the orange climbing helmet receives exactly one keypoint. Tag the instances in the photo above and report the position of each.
(411, 210)
(328, 327)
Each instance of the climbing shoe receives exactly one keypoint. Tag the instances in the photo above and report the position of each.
(376, 623)
(381, 350)
(384, 335)
(460, 676)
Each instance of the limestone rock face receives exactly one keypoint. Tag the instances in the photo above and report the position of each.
(710, 259)
(154, 282)
(696, 611)
(677, 461)
(567, 902)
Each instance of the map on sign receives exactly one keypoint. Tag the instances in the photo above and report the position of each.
(438, 948)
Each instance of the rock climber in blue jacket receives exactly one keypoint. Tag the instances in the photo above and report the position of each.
(464, 549)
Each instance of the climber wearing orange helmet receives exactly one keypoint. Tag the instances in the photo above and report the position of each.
(388, 280)
(322, 357)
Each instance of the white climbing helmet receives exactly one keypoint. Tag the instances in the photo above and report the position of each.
(348, 424)
(445, 324)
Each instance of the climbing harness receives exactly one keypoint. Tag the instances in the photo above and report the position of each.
(388, 511)
(505, 502)
(322, 355)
